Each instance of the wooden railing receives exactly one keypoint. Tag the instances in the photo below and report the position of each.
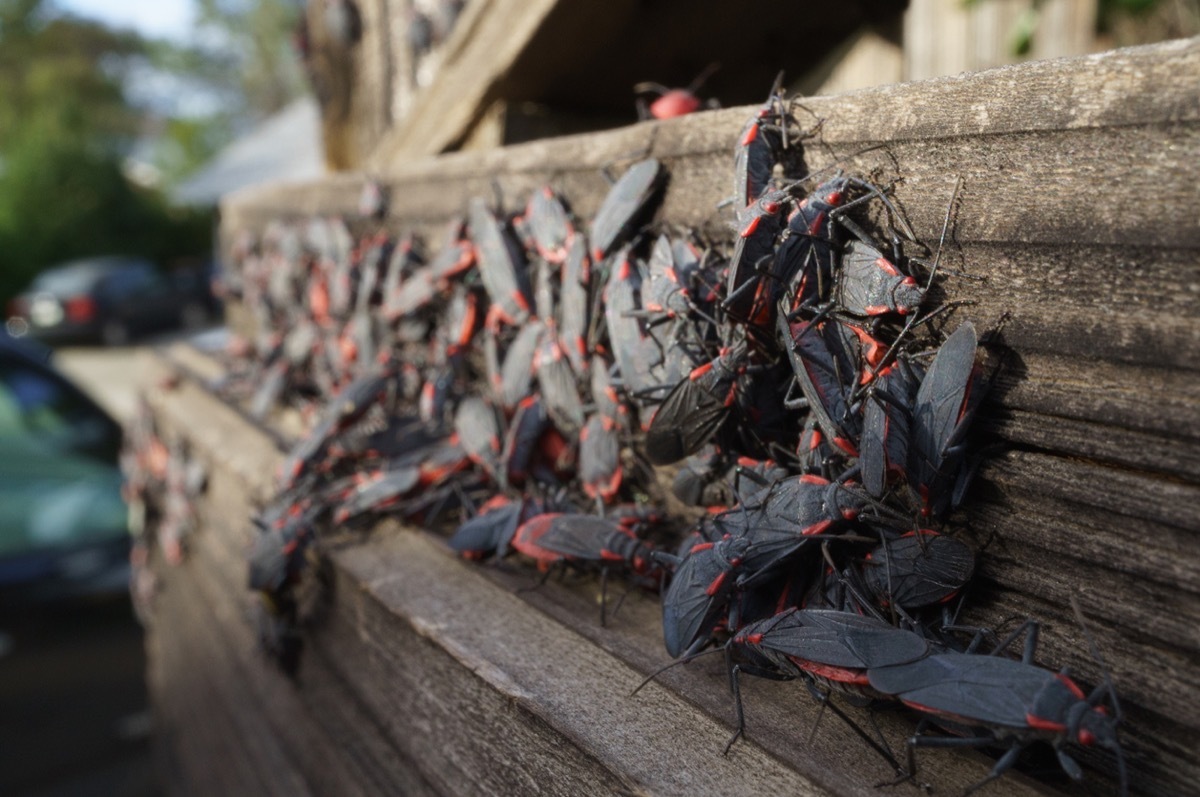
(1079, 217)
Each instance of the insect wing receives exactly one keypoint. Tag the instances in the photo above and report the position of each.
(548, 224)
(869, 284)
(489, 532)
(919, 569)
(574, 304)
(699, 594)
(454, 259)
(940, 409)
(826, 376)
(583, 537)
(600, 457)
(887, 427)
(414, 293)
(479, 433)
(526, 429)
(684, 422)
(625, 202)
(379, 491)
(516, 375)
(624, 331)
(501, 263)
(970, 688)
(558, 386)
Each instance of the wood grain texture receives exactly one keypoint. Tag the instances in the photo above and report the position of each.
(466, 78)
(1079, 221)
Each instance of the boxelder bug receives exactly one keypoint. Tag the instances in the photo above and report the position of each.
(804, 260)
(342, 410)
(759, 147)
(574, 304)
(586, 541)
(919, 569)
(665, 292)
(869, 284)
(700, 593)
(501, 265)
(945, 403)
(548, 226)
(627, 201)
(402, 262)
(516, 374)
(831, 649)
(557, 382)
(453, 261)
(625, 331)
(600, 470)
(1003, 703)
(887, 426)
(673, 102)
(827, 371)
(414, 293)
(695, 408)
(378, 490)
(835, 648)
(747, 291)
(490, 531)
(784, 519)
(478, 432)
(520, 443)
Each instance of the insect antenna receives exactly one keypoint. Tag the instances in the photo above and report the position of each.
(675, 663)
(1094, 649)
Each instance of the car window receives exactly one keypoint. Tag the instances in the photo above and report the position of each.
(66, 281)
(36, 406)
(136, 280)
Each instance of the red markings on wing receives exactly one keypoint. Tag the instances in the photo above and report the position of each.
(840, 675)
(886, 266)
(1041, 724)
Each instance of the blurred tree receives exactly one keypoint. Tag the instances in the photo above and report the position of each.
(65, 128)
(242, 59)
(258, 42)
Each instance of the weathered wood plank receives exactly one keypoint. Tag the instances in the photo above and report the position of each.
(991, 127)
(548, 675)
(296, 740)
(780, 714)
(1079, 212)
(466, 77)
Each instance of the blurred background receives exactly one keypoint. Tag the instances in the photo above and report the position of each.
(123, 123)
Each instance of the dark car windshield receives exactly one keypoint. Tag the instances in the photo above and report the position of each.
(40, 408)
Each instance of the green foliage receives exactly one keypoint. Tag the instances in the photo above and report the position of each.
(188, 143)
(243, 60)
(65, 128)
(255, 63)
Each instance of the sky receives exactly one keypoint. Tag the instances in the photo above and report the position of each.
(165, 19)
(171, 19)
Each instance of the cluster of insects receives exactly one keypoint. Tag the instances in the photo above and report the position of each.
(163, 482)
(546, 386)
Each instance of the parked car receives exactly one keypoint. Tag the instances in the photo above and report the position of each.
(197, 287)
(110, 299)
(72, 655)
(63, 522)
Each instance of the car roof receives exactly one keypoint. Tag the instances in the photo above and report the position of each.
(81, 274)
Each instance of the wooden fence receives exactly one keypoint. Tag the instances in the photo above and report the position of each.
(1079, 216)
